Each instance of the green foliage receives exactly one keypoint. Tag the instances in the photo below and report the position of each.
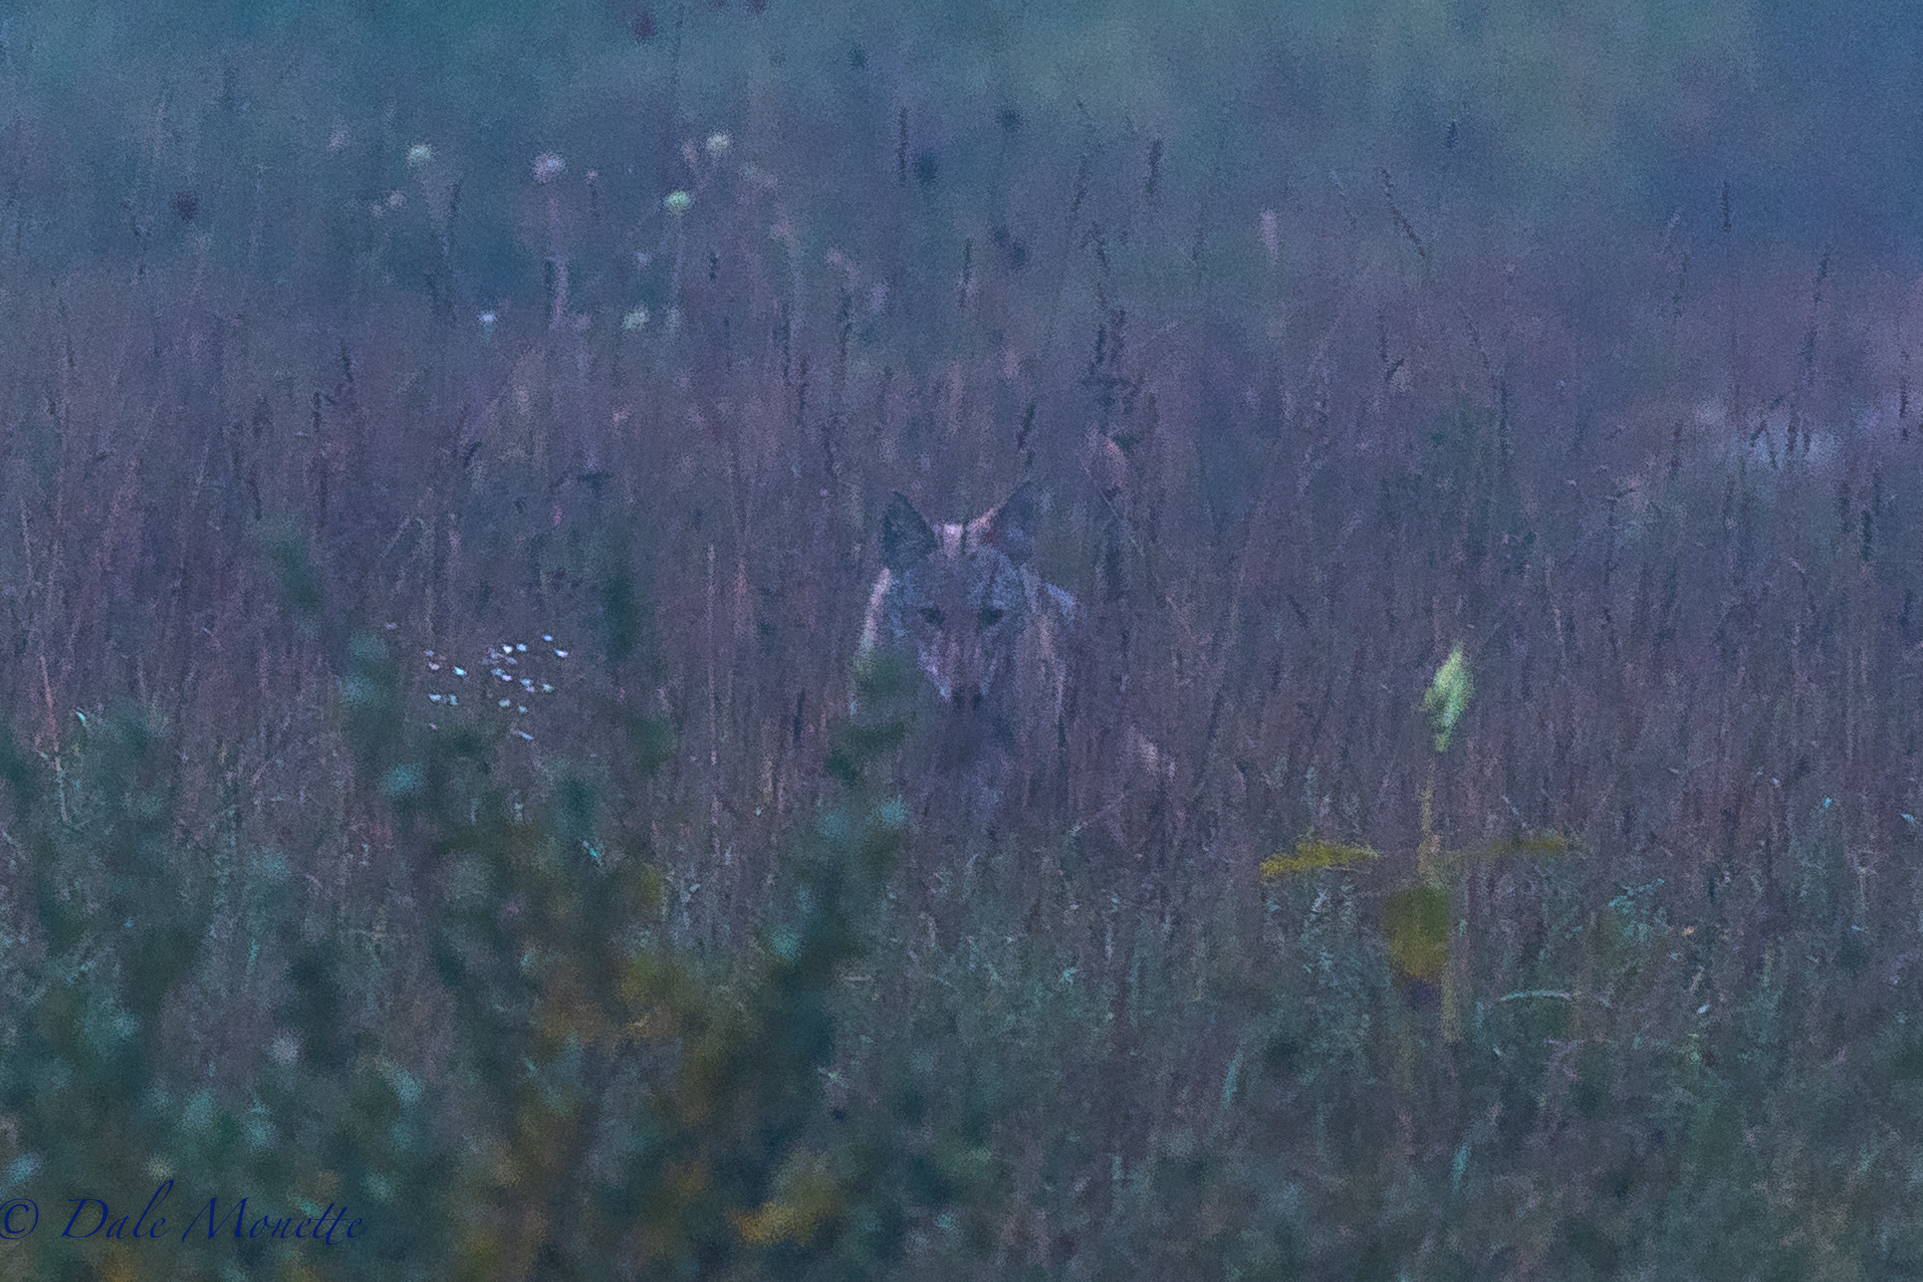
(646, 1106)
(622, 1100)
(1415, 922)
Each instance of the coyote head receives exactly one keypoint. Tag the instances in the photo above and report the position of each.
(963, 604)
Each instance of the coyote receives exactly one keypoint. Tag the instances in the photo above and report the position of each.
(963, 603)
(997, 645)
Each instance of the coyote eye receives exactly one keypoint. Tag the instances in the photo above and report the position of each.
(990, 616)
(931, 615)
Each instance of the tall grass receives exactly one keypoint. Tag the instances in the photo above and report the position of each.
(658, 976)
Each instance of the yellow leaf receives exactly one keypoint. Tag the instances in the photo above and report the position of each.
(1310, 854)
(1448, 696)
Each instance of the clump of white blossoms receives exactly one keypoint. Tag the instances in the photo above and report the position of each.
(511, 678)
(548, 166)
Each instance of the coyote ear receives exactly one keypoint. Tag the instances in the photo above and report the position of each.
(1011, 526)
(905, 537)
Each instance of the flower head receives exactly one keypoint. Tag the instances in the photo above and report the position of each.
(548, 166)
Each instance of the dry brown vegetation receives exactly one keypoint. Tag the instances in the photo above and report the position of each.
(266, 484)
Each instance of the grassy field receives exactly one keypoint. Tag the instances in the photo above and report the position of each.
(443, 465)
